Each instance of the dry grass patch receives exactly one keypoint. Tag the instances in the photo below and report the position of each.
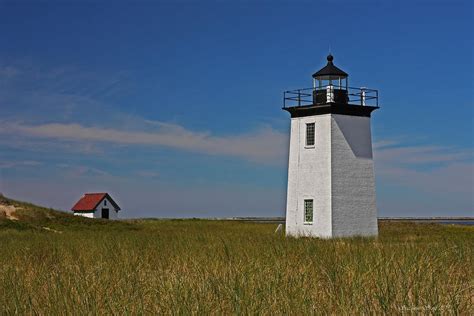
(218, 267)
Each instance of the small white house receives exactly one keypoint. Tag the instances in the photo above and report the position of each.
(96, 205)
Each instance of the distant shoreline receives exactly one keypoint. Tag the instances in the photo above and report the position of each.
(459, 220)
(437, 219)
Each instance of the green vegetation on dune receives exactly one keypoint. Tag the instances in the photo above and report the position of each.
(87, 266)
(34, 217)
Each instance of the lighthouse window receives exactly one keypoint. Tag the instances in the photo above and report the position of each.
(308, 211)
(310, 134)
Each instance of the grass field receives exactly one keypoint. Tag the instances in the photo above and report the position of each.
(52, 263)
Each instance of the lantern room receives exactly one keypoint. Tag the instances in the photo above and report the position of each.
(330, 84)
(329, 75)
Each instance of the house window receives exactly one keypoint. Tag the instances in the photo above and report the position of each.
(308, 211)
(105, 202)
(310, 134)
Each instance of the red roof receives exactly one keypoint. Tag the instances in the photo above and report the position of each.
(90, 201)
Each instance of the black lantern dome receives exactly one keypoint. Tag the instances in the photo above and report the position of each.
(330, 72)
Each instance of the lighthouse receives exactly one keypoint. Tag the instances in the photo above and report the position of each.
(331, 186)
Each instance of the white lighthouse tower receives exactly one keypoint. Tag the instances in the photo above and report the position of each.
(331, 187)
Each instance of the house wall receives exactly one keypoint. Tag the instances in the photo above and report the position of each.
(113, 214)
(309, 177)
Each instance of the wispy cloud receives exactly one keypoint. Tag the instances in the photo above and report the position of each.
(61, 80)
(75, 171)
(148, 174)
(32, 93)
(400, 153)
(16, 164)
(7, 72)
(436, 169)
(264, 145)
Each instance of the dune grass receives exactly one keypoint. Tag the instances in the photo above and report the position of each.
(81, 266)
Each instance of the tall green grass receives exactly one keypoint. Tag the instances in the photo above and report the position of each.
(219, 267)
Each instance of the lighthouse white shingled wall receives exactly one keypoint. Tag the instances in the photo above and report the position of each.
(336, 173)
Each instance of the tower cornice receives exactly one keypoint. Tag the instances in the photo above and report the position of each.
(330, 108)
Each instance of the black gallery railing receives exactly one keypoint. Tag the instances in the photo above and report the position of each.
(331, 94)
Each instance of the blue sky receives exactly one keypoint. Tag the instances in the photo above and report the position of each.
(174, 107)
